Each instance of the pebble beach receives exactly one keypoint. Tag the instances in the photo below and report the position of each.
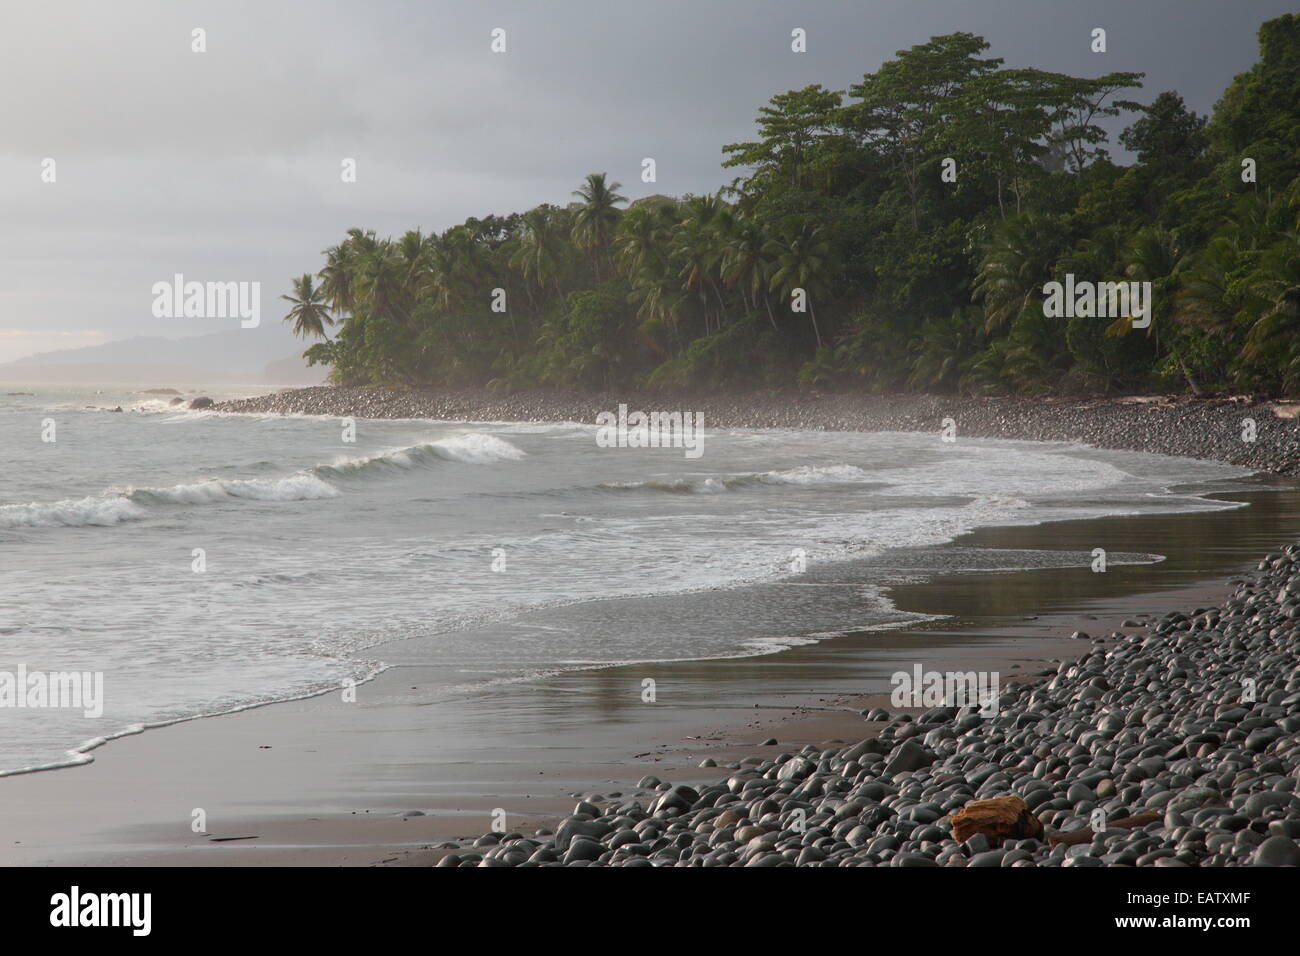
(1184, 737)
(1241, 431)
(1176, 746)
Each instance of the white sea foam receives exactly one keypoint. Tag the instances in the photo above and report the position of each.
(71, 513)
(298, 487)
(295, 588)
(477, 448)
(804, 475)
(129, 504)
(817, 475)
(474, 448)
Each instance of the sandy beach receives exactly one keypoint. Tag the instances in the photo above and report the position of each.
(387, 779)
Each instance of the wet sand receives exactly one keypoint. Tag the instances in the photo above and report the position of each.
(327, 782)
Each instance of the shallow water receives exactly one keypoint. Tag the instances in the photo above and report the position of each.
(498, 551)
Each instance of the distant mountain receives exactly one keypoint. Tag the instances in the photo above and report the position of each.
(234, 350)
(293, 371)
(268, 354)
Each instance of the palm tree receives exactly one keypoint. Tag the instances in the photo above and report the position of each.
(540, 250)
(1156, 255)
(1016, 265)
(945, 347)
(659, 292)
(800, 260)
(714, 226)
(1275, 331)
(643, 233)
(1207, 298)
(457, 268)
(414, 257)
(309, 313)
(383, 282)
(597, 215)
(744, 264)
(336, 279)
(343, 264)
(697, 248)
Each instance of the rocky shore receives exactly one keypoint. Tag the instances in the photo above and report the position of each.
(1217, 429)
(1178, 746)
(1183, 736)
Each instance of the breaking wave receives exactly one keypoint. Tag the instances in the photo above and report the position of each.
(131, 503)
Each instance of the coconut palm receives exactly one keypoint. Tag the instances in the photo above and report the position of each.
(1157, 255)
(336, 278)
(1016, 265)
(1274, 335)
(745, 265)
(643, 234)
(540, 250)
(657, 288)
(597, 215)
(944, 348)
(383, 282)
(698, 252)
(308, 312)
(341, 272)
(801, 259)
(1207, 298)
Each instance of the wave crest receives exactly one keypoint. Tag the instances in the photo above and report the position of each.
(802, 475)
(299, 487)
(473, 448)
(71, 513)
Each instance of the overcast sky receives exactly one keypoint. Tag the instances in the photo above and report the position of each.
(225, 165)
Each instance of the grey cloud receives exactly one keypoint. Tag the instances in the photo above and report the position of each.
(225, 165)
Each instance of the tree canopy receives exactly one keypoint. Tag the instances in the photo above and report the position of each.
(894, 235)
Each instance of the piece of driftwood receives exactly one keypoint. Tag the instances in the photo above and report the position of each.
(998, 818)
(1085, 834)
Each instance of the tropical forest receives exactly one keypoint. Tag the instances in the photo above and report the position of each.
(894, 236)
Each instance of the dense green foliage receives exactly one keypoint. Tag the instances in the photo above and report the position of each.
(908, 278)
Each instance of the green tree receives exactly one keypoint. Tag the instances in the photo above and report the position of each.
(793, 128)
(1258, 116)
(1015, 267)
(308, 311)
(801, 259)
(597, 216)
(1167, 132)
(1078, 103)
(904, 106)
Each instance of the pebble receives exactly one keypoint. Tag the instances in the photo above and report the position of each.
(1157, 720)
(1206, 428)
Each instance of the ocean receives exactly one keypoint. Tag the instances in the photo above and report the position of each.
(201, 562)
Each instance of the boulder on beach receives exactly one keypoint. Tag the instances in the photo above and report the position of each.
(998, 818)
(201, 402)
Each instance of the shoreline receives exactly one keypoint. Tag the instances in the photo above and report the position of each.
(387, 784)
(1192, 428)
(1159, 746)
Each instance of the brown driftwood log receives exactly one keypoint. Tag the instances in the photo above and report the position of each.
(1085, 834)
(998, 818)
